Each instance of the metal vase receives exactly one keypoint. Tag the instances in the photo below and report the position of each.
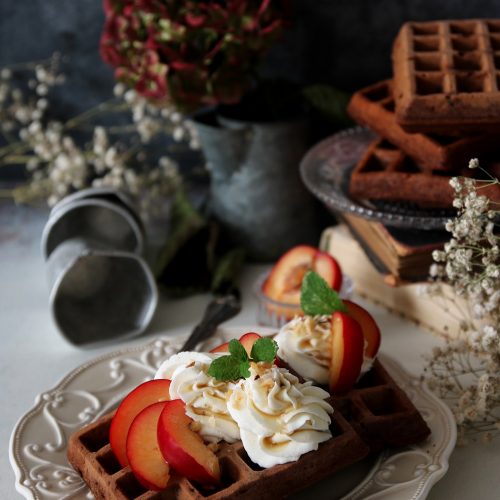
(256, 192)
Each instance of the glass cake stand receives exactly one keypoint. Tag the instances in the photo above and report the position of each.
(326, 170)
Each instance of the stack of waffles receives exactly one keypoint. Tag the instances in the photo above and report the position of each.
(441, 109)
(376, 414)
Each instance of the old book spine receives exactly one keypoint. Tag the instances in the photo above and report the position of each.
(406, 300)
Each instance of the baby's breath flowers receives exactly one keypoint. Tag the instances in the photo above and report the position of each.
(466, 370)
(23, 91)
(99, 148)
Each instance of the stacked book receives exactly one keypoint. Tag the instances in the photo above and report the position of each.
(399, 255)
(408, 300)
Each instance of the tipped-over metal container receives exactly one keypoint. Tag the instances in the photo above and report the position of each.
(103, 216)
(101, 287)
(99, 294)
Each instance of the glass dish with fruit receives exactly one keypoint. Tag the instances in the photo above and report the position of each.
(278, 291)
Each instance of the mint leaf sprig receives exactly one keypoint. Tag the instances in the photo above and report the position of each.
(237, 364)
(316, 297)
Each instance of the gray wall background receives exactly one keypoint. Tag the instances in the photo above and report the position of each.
(342, 42)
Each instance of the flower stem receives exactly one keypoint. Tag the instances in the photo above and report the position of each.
(16, 159)
(103, 106)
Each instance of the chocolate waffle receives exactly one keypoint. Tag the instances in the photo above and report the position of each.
(447, 76)
(374, 415)
(386, 173)
(373, 107)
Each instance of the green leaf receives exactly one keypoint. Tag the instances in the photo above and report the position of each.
(227, 270)
(237, 364)
(264, 350)
(225, 368)
(185, 221)
(245, 369)
(329, 101)
(316, 297)
(237, 350)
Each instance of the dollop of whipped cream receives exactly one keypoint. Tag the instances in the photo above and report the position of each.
(305, 344)
(204, 396)
(277, 418)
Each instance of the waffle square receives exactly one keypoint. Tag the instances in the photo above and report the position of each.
(447, 76)
(386, 173)
(374, 415)
(373, 107)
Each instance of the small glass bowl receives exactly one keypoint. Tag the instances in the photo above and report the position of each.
(275, 314)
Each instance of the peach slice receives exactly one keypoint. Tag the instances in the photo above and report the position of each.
(285, 280)
(142, 396)
(247, 340)
(143, 453)
(183, 448)
(371, 331)
(221, 348)
(347, 352)
(329, 269)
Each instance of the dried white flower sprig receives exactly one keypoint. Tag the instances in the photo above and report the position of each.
(97, 148)
(466, 371)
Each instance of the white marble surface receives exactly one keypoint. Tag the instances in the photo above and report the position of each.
(33, 356)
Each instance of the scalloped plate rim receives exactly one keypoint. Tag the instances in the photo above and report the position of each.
(393, 365)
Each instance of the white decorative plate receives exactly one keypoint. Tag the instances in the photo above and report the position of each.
(38, 443)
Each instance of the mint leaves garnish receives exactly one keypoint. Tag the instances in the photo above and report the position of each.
(237, 350)
(228, 368)
(264, 350)
(237, 364)
(316, 297)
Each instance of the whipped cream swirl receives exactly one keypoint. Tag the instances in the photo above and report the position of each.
(204, 396)
(279, 418)
(305, 344)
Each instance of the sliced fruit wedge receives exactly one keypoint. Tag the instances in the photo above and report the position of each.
(221, 348)
(347, 352)
(143, 453)
(247, 340)
(369, 327)
(329, 269)
(141, 397)
(285, 279)
(184, 448)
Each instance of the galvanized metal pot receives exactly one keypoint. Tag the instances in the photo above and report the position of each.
(101, 215)
(99, 295)
(101, 287)
(256, 192)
